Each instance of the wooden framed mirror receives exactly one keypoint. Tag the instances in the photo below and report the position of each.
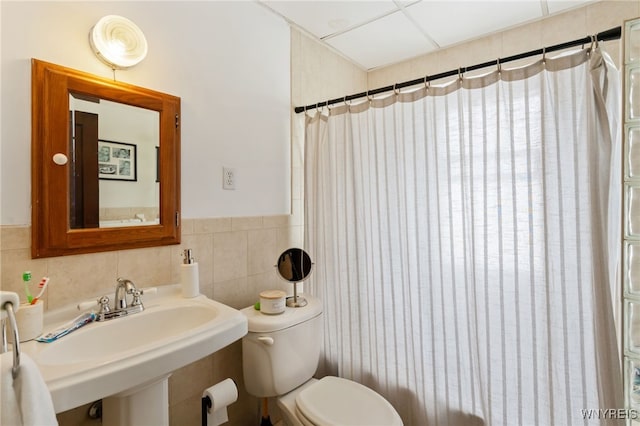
(105, 164)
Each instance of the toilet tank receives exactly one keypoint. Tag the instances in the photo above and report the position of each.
(281, 352)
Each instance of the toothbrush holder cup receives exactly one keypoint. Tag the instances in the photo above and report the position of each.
(30, 321)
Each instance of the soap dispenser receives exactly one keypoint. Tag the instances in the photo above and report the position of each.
(189, 278)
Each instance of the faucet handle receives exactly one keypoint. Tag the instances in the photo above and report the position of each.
(83, 306)
(136, 297)
(102, 301)
(104, 305)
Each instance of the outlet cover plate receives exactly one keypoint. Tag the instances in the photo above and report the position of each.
(228, 178)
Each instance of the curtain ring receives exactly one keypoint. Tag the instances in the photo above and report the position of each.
(499, 65)
(395, 90)
(369, 98)
(590, 49)
(544, 55)
(460, 74)
(427, 82)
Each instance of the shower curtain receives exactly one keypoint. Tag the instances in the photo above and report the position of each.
(464, 240)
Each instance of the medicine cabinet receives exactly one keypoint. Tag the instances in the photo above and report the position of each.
(122, 190)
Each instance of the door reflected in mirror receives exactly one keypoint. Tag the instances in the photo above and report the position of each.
(113, 171)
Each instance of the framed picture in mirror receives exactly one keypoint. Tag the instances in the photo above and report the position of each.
(117, 160)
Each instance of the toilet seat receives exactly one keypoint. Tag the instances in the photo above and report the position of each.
(336, 401)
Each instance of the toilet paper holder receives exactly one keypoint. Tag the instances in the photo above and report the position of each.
(206, 406)
(220, 391)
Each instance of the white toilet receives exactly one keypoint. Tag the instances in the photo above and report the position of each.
(280, 355)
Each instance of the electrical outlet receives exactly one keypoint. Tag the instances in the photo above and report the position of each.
(228, 178)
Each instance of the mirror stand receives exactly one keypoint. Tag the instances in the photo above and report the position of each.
(294, 266)
(296, 301)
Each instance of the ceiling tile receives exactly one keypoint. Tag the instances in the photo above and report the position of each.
(456, 21)
(374, 33)
(556, 6)
(323, 18)
(387, 40)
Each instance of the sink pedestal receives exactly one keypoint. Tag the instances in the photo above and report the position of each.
(147, 404)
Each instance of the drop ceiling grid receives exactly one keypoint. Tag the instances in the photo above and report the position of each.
(387, 40)
(373, 34)
(326, 18)
(455, 22)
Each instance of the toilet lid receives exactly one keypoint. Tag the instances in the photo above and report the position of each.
(335, 401)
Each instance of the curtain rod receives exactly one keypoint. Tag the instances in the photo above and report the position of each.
(610, 34)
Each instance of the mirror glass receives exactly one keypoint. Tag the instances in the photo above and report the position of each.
(105, 164)
(113, 164)
(294, 265)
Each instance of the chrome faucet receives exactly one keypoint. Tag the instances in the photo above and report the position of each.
(123, 288)
(120, 306)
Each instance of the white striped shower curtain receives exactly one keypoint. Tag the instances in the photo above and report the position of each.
(464, 240)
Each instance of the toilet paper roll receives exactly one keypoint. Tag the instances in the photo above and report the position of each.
(222, 395)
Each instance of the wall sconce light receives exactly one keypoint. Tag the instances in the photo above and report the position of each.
(118, 42)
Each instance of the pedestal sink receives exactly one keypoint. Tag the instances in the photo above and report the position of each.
(127, 361)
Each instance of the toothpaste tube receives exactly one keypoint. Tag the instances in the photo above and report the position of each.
(72, 325)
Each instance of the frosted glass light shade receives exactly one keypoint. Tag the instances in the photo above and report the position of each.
(118, 42)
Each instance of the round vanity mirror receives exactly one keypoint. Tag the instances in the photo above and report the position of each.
(294, 265)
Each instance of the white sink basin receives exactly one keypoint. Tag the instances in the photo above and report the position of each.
(106, 358)
(115, 338)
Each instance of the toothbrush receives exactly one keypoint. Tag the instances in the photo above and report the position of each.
(26, 277)
(42, 286)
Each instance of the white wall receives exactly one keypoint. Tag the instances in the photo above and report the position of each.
(228, 61)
